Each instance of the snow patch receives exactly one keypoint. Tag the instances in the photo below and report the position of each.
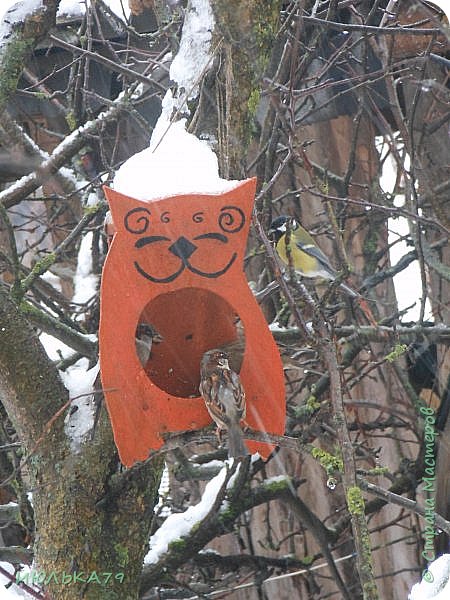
(71, 8)
(67, 8)
(178, 525)
(162, 509)
(176, 162)
(435, 584)
(80, 380)
(13, 592)
(85, 281)
(13, 12)
(194, 54)
(77, 8)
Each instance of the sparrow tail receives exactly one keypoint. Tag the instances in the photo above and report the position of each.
(236, 444)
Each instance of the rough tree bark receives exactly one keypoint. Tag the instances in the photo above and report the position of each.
(89, 517)
(18, 47)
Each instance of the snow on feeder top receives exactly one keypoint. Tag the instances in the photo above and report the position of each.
(176, 263)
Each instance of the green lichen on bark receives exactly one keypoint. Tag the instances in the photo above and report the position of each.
(105, 530)
(17, 48)
(328, 461)
(247, 32)
(356, 507)
(398, 351)
(277, 486)
(15, 54)
(178, 546)
(355, 501)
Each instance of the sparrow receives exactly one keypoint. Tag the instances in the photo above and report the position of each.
(307, 258)
(224, 397)
(146, 335)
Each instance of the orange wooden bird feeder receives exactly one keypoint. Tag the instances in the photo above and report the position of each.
(177, 264)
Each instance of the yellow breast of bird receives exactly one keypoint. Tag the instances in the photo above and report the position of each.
(302, 262)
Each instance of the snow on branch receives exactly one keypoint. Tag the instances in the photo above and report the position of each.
(179, 525)
(64, 151)
(226, 496)
(435, 584)
(194, 55)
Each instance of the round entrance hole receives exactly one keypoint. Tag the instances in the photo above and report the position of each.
(189, 322)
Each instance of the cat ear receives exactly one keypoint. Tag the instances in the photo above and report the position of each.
(128, 214)
(243, 195)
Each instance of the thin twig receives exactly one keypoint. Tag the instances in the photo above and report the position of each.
(411, 505)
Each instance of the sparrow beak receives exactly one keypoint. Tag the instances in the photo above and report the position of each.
(157, 338)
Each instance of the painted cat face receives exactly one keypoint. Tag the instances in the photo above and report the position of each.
(178, 240)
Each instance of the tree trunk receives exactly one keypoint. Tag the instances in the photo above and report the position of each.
(245, 33)
(19, 45)
(90, 518)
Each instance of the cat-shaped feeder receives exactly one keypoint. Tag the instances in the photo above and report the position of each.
(177, 264)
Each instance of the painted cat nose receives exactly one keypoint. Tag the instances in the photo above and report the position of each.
(182, 248)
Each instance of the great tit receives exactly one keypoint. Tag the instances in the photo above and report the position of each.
(307, 258)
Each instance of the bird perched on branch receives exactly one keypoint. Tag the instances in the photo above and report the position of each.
(295, 246)
(224, 397)
(306, 257)
(146, 335)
